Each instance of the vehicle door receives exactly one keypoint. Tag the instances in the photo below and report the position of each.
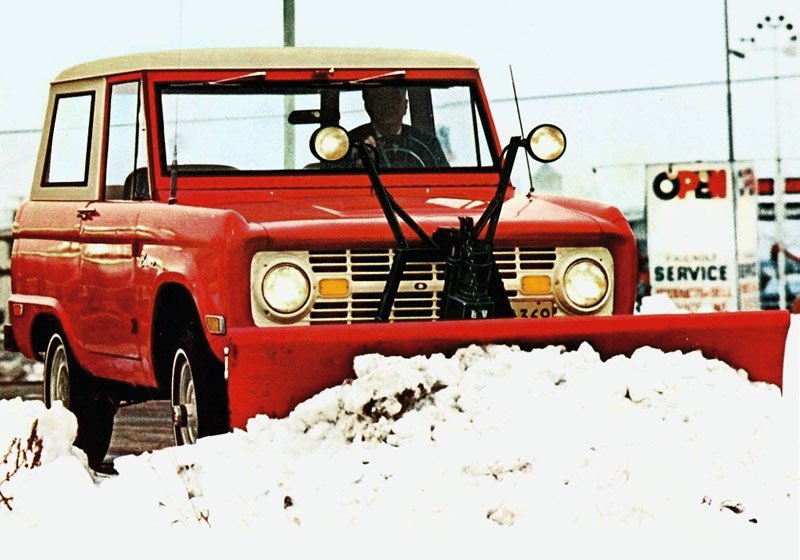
(47, 240)
(109, 244)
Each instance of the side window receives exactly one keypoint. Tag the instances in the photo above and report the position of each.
(67, 162)
(126, 159)
(459, 128)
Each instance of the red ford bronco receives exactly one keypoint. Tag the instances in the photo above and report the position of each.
(229, 228)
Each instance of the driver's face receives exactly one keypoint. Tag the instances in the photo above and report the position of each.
(386, 107)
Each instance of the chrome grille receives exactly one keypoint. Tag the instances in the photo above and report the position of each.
(420, 287)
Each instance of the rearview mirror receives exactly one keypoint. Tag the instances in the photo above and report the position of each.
(305, 116)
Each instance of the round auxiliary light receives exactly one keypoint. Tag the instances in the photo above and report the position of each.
(546, 143)
(286, 288)
(330, 143)
(585, 284)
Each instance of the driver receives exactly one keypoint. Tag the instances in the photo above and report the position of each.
(398, 144)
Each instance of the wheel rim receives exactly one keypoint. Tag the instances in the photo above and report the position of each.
(58, 373)
(184, 400)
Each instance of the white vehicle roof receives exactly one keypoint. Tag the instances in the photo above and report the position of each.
(265, 59)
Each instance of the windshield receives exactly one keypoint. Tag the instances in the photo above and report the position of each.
(230, 128)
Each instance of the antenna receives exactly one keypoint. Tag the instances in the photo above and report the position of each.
(521, 129)
(173, 175)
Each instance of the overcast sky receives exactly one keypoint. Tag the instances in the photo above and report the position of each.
(554, 47)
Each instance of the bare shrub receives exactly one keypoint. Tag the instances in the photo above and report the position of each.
(27, 455)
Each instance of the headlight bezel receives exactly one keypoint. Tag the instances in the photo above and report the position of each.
(561, 284)
(262, 269)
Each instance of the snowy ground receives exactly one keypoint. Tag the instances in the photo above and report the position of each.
(546, 450)
(14, 367)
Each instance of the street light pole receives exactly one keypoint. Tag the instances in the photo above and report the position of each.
(779, 184)
(778, 181)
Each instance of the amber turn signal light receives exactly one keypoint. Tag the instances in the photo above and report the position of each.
(215, 324)
(535, 285)
(334, 287)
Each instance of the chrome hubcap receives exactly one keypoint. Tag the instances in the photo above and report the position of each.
(184, 401)
(59, 375)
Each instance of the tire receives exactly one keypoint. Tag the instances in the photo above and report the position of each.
(64, 381)
(199, 392)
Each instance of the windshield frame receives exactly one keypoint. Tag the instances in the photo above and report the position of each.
(158, 85)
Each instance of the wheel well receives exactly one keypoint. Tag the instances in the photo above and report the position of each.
(42, 329)
(174, 310)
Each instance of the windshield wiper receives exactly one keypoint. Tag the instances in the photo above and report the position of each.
(249, 76)
(241, 78)
(393, 74)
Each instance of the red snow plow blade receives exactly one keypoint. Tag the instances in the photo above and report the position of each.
(272, 375)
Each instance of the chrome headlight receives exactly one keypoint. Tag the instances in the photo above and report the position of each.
(585, 284)
(286, 288)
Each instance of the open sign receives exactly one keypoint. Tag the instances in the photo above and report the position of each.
(701, 243)
(704, 184)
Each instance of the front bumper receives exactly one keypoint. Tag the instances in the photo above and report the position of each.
(272, 370)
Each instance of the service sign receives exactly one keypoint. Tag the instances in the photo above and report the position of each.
(691, 233)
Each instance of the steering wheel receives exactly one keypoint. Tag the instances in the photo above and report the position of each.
(405, 152)
(395, 156)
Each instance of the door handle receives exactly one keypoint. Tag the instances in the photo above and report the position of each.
(86, 213)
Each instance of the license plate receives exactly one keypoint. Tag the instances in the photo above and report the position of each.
(534, 309)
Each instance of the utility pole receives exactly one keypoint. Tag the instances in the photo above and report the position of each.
(288, 23)
(731, 159)
(288, 100)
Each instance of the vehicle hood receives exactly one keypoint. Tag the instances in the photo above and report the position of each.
(298, 220)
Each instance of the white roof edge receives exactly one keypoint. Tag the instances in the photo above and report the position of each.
(265, 58)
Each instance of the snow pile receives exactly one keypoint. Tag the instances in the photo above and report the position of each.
(658, 304)
(493, 440)
(36, 448)
(56, 428)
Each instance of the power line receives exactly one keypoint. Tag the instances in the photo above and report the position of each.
(649, 88)
(603, 167)
(21, 131)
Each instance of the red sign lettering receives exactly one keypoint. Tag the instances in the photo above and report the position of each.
(704, 184)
